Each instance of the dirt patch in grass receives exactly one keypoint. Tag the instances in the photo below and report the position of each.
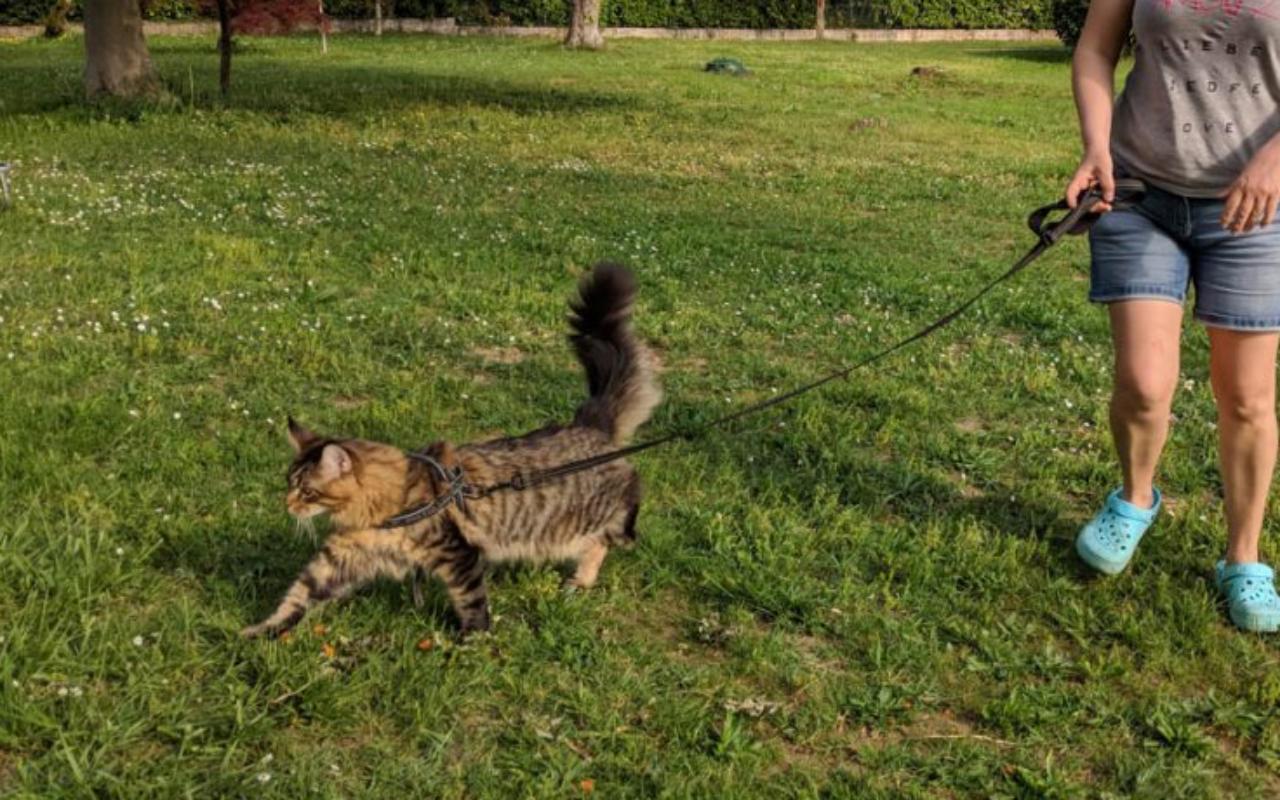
(348, 402)
(694, 364)
(8, 768)
(966, 489)
(498, 355)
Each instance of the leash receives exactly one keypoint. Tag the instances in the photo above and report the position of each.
(1048, 231)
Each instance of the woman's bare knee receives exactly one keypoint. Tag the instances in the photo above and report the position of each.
(1243, 373)
(1244, 407)
(1143, 394)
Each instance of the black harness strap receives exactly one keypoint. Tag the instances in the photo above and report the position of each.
(457, 489)
(1048, 232)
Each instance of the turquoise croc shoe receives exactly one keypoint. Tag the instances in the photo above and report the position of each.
(1108, 542)
(1250, 590)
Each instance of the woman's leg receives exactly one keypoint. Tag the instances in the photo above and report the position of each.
(1146, 337)
(1242, 367)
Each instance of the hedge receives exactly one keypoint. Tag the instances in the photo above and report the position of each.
(1068, 20)
(24, 12)
(32, 12)
(647, 13)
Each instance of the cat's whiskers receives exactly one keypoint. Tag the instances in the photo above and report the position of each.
(306, 525)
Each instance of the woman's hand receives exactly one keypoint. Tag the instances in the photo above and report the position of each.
(1095, 170)
(1252, 199)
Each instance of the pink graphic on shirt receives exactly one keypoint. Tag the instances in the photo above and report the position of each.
(1264, 9)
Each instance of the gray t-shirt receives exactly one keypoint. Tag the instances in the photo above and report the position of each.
(1202, 96)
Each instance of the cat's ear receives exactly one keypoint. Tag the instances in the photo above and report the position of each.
(299, 436)
(335, 462)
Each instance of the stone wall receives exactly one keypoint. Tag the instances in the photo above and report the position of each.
(447, 27)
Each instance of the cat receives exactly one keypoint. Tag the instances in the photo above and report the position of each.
(360, 484)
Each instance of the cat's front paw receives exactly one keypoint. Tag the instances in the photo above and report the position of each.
(419, 600)
(475, 623)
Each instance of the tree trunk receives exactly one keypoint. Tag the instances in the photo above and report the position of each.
(116, 59)
(584, 27)
(324, 34)
(820, 22)
(377, 17)
(224, 46)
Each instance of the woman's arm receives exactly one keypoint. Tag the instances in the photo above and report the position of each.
(1093, 70)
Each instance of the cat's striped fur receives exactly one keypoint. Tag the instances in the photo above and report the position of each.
(576, 518)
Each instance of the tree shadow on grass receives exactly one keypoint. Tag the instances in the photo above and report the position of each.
(268, 86)
(1045, 54)
(356, 90)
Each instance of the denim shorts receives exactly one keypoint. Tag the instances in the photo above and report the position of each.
(1155, 249)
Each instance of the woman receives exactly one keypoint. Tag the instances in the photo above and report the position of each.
(1199, 122)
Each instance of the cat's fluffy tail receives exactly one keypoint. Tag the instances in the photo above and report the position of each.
(621, 370)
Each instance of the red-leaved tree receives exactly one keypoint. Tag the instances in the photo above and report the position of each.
(274, 17)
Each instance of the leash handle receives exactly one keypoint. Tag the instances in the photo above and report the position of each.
(1129, 192)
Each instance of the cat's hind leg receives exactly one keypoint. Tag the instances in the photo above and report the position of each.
(619, 530)
(588, 570)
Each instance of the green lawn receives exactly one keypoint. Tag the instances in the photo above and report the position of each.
(870, 593)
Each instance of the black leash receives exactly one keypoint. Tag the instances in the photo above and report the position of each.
(1048, 232)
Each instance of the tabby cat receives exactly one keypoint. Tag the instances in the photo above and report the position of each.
(576, 518)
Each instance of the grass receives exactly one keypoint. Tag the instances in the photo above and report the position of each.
(870, 593)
